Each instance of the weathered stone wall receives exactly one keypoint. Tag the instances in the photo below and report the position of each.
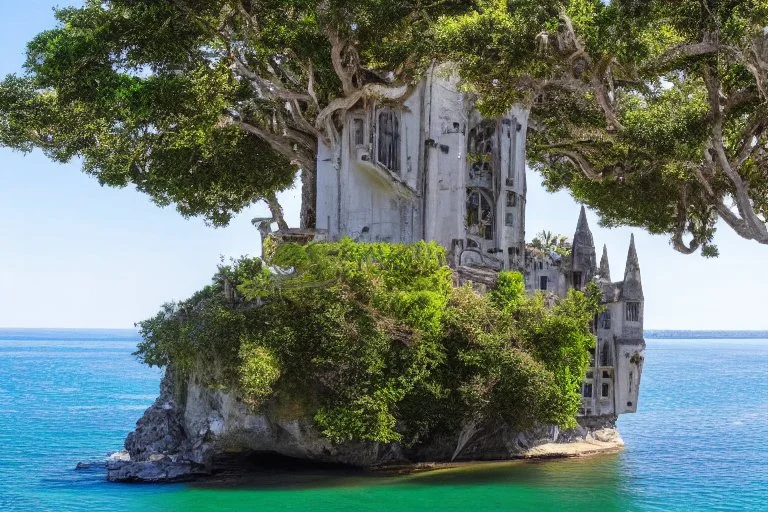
(426, 197)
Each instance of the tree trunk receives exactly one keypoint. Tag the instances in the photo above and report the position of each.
(276, 210)
(309, 198)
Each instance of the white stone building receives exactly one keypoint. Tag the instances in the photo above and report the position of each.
(431, 169)
(434, 169)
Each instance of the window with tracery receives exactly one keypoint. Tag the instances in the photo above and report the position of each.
(480, 152)
(479, 214)
(388, 143)
(605, 320)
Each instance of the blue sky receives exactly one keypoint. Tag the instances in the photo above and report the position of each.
(74, 254)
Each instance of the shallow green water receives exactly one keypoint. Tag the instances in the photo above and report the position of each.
(698, 442)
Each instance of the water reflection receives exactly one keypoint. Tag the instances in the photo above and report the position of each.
(587, 483)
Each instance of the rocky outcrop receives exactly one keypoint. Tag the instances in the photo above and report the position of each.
(160, 450)
(181, 439)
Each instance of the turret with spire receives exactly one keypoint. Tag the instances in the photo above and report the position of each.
(583, 258)
(633, 287)
(605, 269)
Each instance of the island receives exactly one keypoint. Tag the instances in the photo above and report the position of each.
(413, 324)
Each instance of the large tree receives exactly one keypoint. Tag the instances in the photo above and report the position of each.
(651, 111)
(210, 104)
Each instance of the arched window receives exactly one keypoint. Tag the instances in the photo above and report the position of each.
(480, 219)
(358, 131)
(480, 153)
(388, 140)
(605, 355)
(605, 319)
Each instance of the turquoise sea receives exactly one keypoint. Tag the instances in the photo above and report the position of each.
(698, 442)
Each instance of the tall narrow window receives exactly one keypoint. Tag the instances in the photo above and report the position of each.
(511, 199)
(480, 153)
(606, 391)
(587, 390)
(605, 355)
(359, 131)
(388, 144)
(605, 319)
(543, 281)
(479, 214)
(632, 310)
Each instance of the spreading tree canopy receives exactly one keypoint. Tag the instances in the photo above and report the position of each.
(652, 112)
(209, 104)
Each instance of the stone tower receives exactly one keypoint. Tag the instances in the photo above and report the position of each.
(430, 169)
(604, 272)
(583, 259)
(629, 342)
(612, 382)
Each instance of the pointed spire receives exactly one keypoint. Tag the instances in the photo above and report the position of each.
(633, 287)
(583, 257)
(583, 235)
(632, 261)
(605, 269)
(583, 225)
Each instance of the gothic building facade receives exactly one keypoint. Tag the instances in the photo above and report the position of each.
(434, 169)
(431, 169)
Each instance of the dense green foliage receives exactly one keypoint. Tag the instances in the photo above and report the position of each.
(130, 89)
(209, 104)
(652, 112)
(376, 343)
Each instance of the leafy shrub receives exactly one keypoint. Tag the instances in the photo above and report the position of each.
(378, 342)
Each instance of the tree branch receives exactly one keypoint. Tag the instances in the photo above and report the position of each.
(685, 50)
(680, 228)
(756, 226)
(344, 74)
(276, 210)
(368, 91)
(578, 160)
(277, 143)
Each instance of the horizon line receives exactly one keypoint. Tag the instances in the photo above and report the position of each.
(135, 328)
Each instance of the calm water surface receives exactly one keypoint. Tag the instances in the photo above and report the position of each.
(698, 442)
